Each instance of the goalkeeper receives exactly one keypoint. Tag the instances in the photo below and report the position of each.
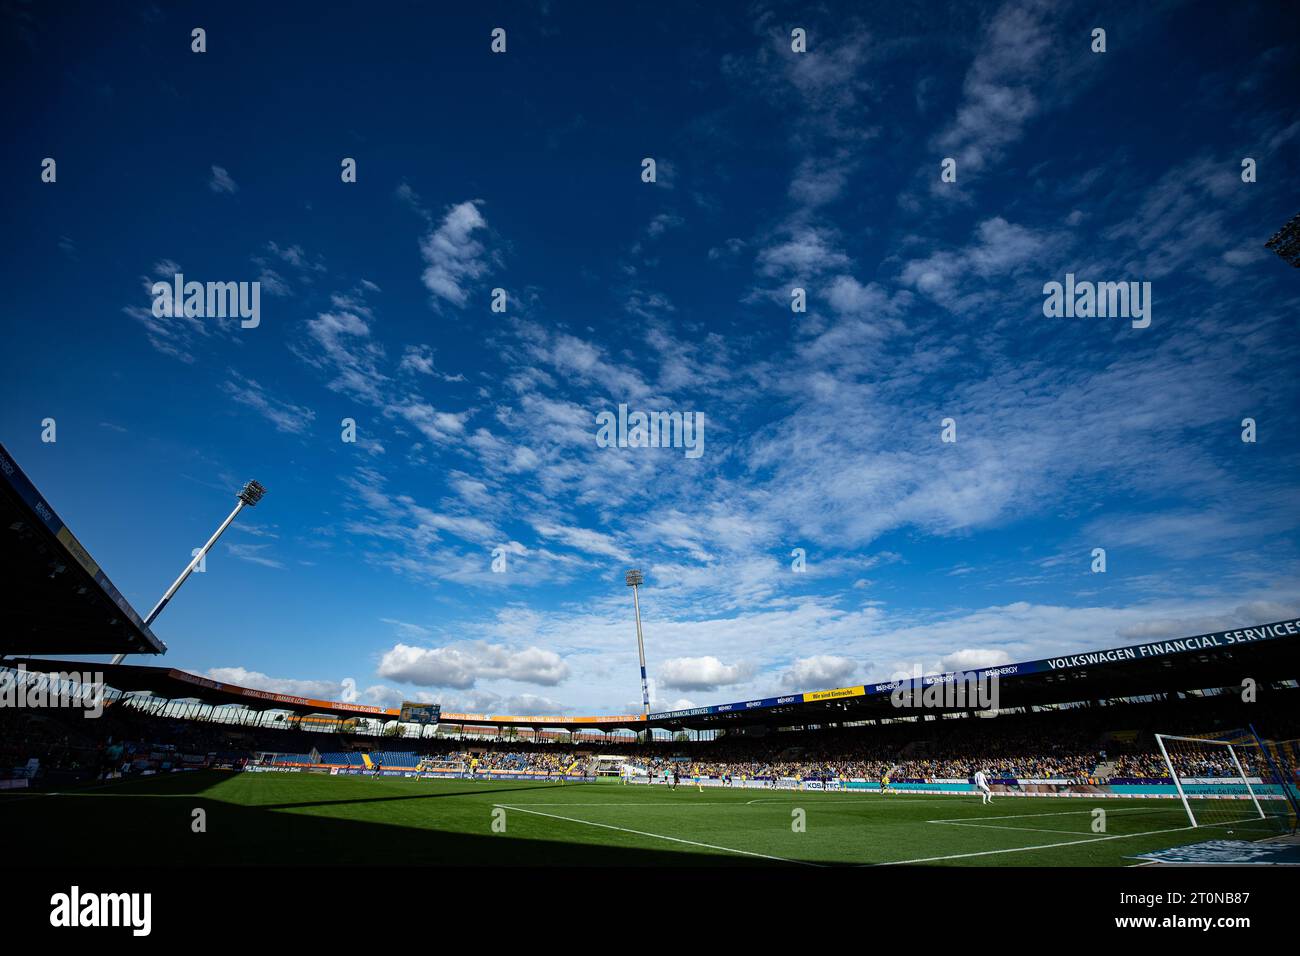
(982, 785)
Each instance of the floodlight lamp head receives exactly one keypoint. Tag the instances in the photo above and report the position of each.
(634, 578)
(251, 493)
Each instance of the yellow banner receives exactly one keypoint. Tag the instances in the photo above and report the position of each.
(77, 551)
(838, 692)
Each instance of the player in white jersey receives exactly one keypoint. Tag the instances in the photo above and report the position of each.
(982, 785)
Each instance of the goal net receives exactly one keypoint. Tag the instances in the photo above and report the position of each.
(1235, 784)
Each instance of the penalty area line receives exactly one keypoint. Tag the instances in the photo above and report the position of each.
(654, 836)
(994, 826)
(1025, 849)
(1054, 813)
(694, 803)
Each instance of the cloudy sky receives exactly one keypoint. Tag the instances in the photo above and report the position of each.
(367, 571)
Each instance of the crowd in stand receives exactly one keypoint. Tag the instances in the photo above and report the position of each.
(23, 737)
(816, 764)
(546, 759)
(1059, 745)
(1140, 766)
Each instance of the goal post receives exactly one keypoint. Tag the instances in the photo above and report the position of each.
(1178, 784)
(1226, 783)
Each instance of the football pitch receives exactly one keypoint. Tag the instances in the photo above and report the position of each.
(311, 819)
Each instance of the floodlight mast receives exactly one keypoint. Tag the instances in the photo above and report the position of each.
(250, 495)
(634, 580)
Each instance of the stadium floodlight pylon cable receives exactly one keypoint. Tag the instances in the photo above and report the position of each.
(249, 495)
(634, 580)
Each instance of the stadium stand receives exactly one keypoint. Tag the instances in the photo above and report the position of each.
(395, 759)
(294, 760)
(1101, 745)
(342, 759)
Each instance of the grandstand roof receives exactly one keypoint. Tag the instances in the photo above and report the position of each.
(58, 600)
(172, 684)
(1268, 652)
(1219, 659)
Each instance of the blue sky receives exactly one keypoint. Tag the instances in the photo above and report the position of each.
(366, 572)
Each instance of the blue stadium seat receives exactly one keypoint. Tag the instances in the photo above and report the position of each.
(395, 759)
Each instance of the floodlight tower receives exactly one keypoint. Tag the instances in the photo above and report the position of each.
(1286, 242)
(634, 580)
(249, 495)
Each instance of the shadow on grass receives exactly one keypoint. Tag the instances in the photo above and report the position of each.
(153, 828)
(410, 796)
(181, 782)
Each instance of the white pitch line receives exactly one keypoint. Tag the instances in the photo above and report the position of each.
(1054, 813)
(909, 801)
(698, 803)
(690, 803)
(994, 826)
(656, 836)
(1024, 849)
(38, 794)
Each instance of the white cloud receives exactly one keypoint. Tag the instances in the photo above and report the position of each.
(221, 182)
(999, 94)
(318, 689)
(806, 252)
(254, 554)
(420, 360)
(973, 658)
(273, 283)
(461, 665)
(701, 673)
(293, 254)
(962, 280)
(178, 336)
(820, 672)
(662, 223)
(453, 257)
(819, 181)
(344, 347)
(285, 416)
(584, 539)
(407, 630)
(440, 427)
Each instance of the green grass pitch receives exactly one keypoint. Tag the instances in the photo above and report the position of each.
(300, 818)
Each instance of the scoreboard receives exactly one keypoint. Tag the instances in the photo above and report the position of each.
(413, 713)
